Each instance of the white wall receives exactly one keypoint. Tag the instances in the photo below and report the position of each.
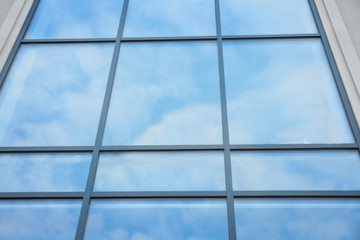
(350, 12)
(12, 16)
(343, 38)
(4, 9)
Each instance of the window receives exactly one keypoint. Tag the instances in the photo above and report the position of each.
(196, 119)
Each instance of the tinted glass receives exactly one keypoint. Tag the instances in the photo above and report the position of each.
(295, 170)
(53, 95)
(161, 171)
(43, 172)
(330, 219)
(158, 18)
(165, 93)
(282, 91)
(157, 219)
(244, 17)
(75, 19)
(38, 219)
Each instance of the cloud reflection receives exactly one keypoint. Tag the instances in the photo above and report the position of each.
(53, 95)
(75, 19)
(296, 170)
(160, 171)
(38, 219)
(161, 18)
(282, 91)
(297, 219)
(165, 93)
(43, 172)
(266, 17)
(157, 219)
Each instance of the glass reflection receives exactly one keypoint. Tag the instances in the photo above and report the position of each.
(38, 219)
(289, 170)
(281, 219)
(244, 17)
(43, 172)
(160, 171)
(157, 219)
(53, 94)
(162, 18)
(165, 93)
(282, 91)
(75, 19)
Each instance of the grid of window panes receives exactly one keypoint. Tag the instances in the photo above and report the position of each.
(176, 119)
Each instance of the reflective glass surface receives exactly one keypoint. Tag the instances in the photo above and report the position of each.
(75, 19)
(157, 219)
(296, 170)
(162, 18)
(160, 171)
(165, 93)
(313, 219)
(244, 17)
(38, 219)
(43, 172)
(282, 91)
(53, 95)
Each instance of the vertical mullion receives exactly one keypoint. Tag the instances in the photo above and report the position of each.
(17, 44)
(346, 103)
(96, 152)
(225, 129)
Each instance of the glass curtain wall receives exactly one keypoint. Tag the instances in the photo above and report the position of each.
(181, 119)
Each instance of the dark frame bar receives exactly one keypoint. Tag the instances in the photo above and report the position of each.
(59, 149)
(40, 195)
(225, 129)
(74, 40)
(160, 194)
(100, 132)
(297, 194)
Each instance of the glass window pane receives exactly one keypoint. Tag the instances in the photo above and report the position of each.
(43, 172)
(157, 219)
(39, 219)
(281, 219)
(75, 19)
(296, 170)
(160, 171)
(165, 93)
(244, 17)
(282, 91)
(162, 18)
(53, 95)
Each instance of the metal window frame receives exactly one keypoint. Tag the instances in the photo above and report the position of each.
(229, 195)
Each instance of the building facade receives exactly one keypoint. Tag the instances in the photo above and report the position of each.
(206, 119)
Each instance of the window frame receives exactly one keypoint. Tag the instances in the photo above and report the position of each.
(226, 147)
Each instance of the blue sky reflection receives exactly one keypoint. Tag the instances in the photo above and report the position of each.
(296, 170)
(160, 171)
(282, 91)
(249, 17)
(312, 219)
(157, 220)
(165, 93)
(75, 19)
(38, 219)
(30, 172)
(54, 90)
(164, 18)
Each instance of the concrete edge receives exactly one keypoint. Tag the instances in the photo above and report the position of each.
(343, 50)
(11, 27)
